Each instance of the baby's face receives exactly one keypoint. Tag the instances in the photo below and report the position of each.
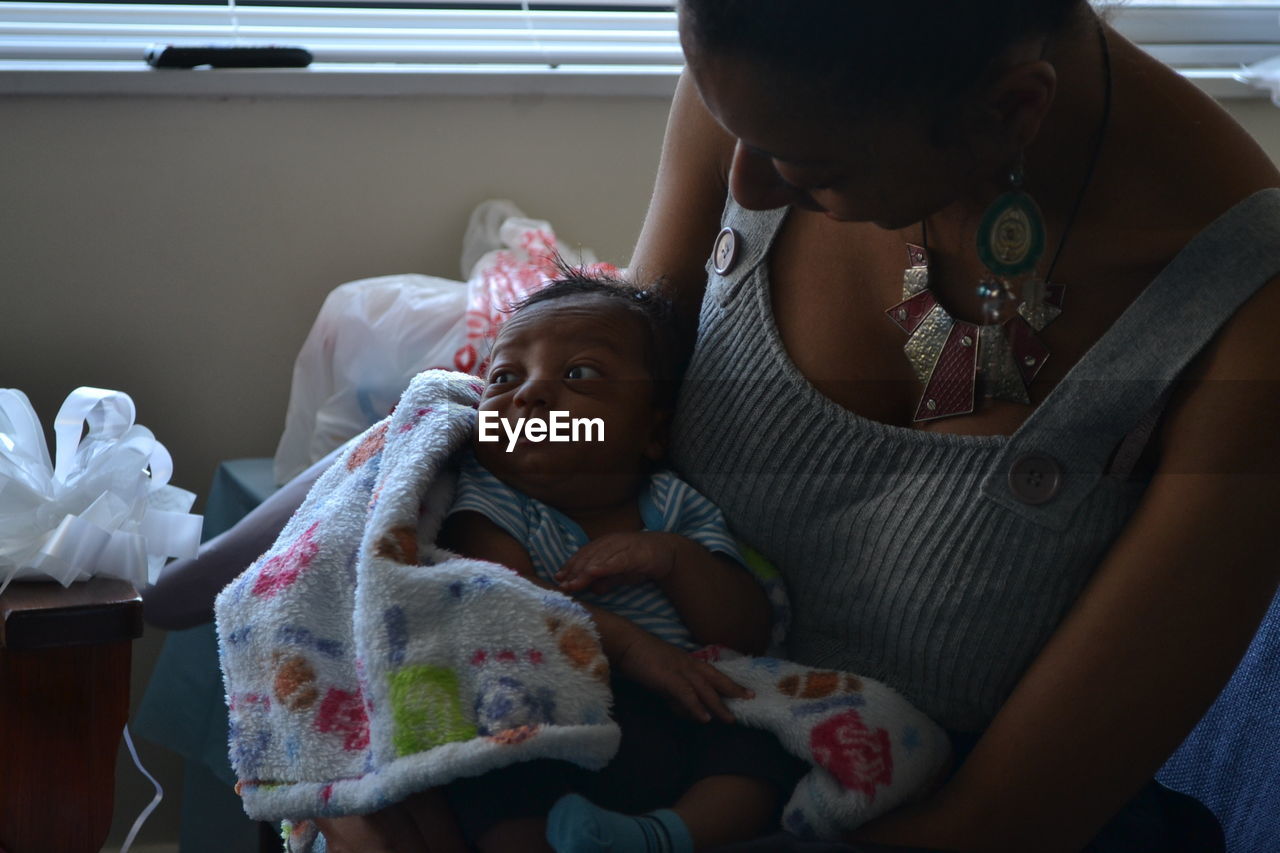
(584, 355)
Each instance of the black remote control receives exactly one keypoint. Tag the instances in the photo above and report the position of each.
(227, 56)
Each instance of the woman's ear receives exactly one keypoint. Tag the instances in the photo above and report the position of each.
(1016, 101)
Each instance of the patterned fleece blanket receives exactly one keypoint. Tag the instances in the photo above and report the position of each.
(362, 662)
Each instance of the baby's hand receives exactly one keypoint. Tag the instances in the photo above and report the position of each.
(616, 559)
(693, 686)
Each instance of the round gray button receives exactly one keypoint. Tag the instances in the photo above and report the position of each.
(1035, 478)
(725, 252)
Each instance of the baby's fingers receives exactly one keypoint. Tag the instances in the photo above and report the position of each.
(585, 568)
(687, 700)
(726, 686)
(709, 698)
(572, 583)
(574, 574)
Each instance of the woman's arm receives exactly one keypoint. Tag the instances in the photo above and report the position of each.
(1154, 636)
(674, 244)
(688, 197)
(183, 595)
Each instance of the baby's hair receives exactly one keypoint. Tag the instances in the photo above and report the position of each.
(665, 354)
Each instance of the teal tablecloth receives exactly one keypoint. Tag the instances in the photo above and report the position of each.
(184, 709)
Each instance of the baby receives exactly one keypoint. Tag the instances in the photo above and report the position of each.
(648, 556)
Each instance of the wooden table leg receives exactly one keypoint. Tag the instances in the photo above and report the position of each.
(64, 698)
(61, 715)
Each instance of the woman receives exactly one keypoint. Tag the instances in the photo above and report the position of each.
(1064, 573)
(1033, 593)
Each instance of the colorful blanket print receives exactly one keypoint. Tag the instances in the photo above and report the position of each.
(362, 662)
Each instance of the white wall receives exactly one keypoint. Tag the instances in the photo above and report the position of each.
(178, 249)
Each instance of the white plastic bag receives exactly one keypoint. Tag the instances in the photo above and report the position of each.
(105, 508)
(371, 337)
(484, 231)
(1263, 75)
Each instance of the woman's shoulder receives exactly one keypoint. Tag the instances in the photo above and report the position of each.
(1224, 413)
(1178, 159)
(1179, 164)
(688, 197)
(1183, 164)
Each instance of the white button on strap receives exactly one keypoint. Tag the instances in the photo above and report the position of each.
(725, 252)
(1035, 478)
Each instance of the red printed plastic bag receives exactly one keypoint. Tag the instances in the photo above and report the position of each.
(510, 256)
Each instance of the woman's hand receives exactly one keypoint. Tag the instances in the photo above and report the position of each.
(694, 687)
(618, 559)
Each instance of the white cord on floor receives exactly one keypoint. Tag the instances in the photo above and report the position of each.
(155, 801)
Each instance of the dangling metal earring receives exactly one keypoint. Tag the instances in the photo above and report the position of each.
(1010, 242)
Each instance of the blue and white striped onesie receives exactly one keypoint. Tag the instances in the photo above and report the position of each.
(669, 505)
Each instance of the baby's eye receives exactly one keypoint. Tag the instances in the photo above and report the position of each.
(581, 371)
(501, 377)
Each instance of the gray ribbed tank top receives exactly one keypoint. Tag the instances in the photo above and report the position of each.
(910, 556)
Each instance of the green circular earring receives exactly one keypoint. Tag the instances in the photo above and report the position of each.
(1011, 234)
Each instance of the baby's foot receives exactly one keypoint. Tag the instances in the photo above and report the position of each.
(576, 825)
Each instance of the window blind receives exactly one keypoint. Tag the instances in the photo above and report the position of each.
(621, 32)
(534, 34)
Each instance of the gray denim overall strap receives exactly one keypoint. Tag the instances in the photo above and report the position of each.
(739, 249)
(1061, 451)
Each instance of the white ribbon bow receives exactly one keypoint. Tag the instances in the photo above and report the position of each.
(105, 509)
